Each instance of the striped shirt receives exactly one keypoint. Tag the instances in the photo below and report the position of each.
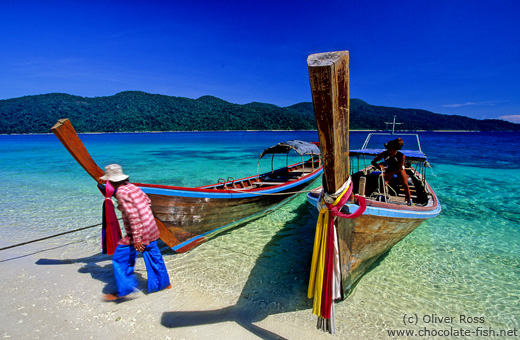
(138, 218)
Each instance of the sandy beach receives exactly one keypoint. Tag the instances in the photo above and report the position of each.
(47, 296)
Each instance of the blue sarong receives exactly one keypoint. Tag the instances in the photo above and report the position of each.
(123, 261)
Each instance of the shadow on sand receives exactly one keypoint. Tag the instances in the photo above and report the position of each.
(276, 284)
(98, 270)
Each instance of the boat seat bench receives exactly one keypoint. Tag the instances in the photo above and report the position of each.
(300, 171)
(264, 183)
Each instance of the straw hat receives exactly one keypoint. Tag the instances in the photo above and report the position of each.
(114, 173)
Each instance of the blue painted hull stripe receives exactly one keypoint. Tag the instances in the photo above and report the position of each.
(384, 212)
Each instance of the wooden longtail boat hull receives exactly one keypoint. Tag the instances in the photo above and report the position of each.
(193, 217)
(371, 236)
(366, 238)
(187, 217)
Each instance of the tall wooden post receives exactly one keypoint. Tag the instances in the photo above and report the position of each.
(329, 78)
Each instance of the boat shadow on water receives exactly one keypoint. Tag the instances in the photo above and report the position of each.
(276, 284)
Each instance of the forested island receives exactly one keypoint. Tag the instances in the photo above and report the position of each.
(139, 111)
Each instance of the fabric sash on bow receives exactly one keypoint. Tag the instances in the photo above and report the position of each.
(325, 277)
(111, 232)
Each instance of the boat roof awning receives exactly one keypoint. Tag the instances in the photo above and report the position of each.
(301, 147)
(412, 156)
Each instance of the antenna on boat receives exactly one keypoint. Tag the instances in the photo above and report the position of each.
(393, 125)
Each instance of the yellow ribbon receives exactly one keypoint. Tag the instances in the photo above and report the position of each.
(318, 256)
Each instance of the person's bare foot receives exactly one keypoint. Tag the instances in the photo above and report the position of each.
(112, 297)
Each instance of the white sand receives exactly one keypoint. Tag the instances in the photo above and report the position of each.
(46, 297)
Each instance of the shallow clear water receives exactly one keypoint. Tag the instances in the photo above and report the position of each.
(464, 262)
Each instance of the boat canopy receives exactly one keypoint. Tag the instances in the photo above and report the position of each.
(301, 147)
(412, 156)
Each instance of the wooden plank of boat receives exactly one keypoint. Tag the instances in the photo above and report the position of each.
(187, 217)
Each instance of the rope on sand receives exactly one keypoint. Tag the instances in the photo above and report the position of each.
(51, 236)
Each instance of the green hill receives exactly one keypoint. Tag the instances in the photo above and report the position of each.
(139, 111)
(364, 116)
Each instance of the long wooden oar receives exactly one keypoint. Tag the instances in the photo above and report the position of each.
(65, 132)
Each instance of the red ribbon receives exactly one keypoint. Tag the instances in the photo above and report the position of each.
(111, 230)
(335, 210)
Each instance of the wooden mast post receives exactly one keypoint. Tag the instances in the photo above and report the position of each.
(329, 79)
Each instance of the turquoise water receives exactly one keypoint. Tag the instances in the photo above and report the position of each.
(465, 262)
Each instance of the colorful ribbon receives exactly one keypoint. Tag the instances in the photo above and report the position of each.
(322, 266)
(111, 232)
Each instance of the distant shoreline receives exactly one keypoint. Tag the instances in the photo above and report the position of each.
(379, 131)
(136, 110)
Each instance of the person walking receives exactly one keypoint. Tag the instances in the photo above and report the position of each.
(141, 236)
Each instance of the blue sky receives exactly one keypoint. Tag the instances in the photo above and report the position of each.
(450, 57)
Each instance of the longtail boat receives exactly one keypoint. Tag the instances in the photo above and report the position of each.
(361, 216)
(187, 217)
